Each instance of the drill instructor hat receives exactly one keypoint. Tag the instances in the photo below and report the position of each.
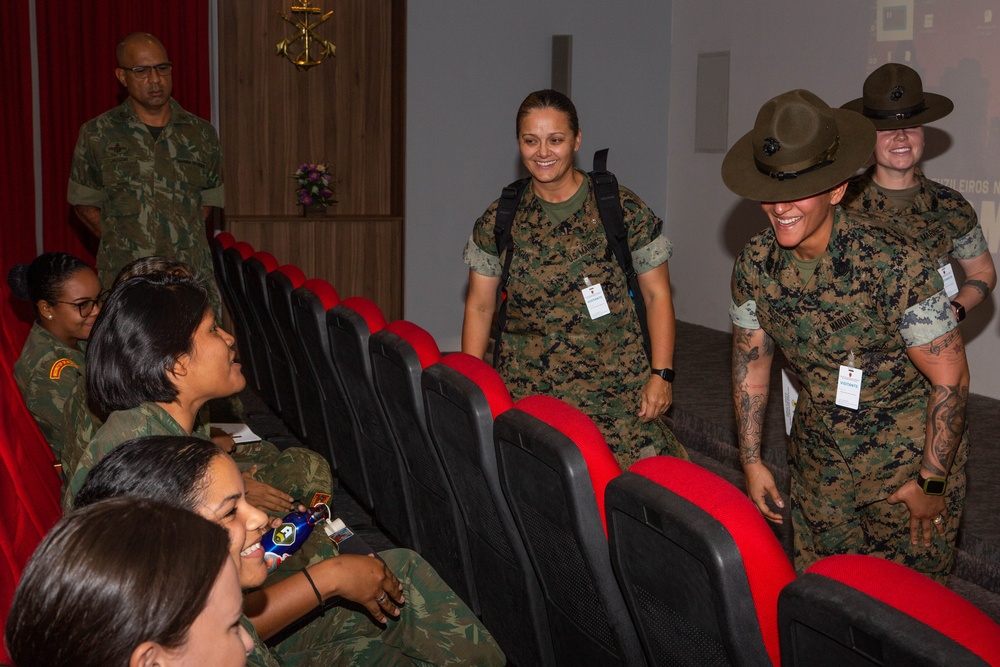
(798, 147)
(894, 98)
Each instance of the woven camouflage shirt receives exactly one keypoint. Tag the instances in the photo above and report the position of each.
(47, 373)
(150, 192)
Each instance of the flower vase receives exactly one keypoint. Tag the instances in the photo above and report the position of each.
(312, 209)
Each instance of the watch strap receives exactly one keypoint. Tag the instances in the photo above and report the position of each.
(932, 486)
(959, 310)
(665, 373)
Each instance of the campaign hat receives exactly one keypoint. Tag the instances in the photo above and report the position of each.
(798, 147)
(893, 98)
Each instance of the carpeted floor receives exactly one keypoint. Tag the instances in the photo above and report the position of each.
(702, 418)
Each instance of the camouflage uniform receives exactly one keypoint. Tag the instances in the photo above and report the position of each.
(434, 628)
(47, 373)
(551, 345)
(873, 295)
(941, 221)
(150, 193)
(296, 471)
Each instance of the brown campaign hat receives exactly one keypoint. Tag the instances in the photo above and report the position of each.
(798, 147)
(894, 98)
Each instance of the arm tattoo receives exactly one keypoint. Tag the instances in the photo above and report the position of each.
(749, 406)
(950, 344)
(979, 286)
(945, 425)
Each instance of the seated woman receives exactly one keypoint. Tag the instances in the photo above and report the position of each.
(249, 455)
(155, 357)
(87, 601)
(420, 620)
(67, 298)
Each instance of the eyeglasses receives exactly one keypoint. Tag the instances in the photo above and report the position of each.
(143, 71)
(86, 307)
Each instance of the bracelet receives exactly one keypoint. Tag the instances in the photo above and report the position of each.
(312, 583)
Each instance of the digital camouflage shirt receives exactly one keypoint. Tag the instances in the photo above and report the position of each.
(872, 296)
(47, 373)
(150, 193)
(551, 344)
(941, 221)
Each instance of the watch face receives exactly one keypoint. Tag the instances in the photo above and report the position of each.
(934, 486)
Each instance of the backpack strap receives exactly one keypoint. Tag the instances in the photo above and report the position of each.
(613, 218)
(510, 199)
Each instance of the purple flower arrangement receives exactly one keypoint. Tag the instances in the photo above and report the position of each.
(314, 185)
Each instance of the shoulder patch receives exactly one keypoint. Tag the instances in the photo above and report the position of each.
(57, 367)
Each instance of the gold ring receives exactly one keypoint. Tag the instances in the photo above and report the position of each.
(937, 520)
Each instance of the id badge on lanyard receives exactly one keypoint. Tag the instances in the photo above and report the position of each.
(849, 384)
(593, 296)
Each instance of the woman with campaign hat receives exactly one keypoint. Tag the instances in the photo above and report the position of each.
(894, 189)
(861, 318)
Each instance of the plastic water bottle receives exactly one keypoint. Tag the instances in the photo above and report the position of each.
(281, 542)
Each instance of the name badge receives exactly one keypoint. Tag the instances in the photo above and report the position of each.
(597, 305)
(849, 387)
(948, 276)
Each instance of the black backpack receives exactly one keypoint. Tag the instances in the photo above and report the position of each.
(609, 206)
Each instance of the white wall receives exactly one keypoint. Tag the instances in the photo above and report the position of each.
(469, 65)
(634, 66)
(778, 45)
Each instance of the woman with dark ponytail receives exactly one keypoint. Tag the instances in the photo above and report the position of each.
(67, 297)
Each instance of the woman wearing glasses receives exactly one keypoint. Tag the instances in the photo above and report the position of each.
(67, 298)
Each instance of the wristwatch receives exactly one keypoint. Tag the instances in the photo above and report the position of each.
(959, 310)
(932, 486)
(665, 373)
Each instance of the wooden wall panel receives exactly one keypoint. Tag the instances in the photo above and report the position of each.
(360, 256)
(275, 116)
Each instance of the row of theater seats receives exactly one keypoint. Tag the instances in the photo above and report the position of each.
(525, 512)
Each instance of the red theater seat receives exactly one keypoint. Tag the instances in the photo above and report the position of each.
(280, 284)
(310, 305)
(350, 324)
(399, 355)
(281, 393)
(554, 468)
(699, 567)
(253, 352)
(462, 396)
(863, 610)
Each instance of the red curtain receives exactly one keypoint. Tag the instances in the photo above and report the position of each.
(76, 59)
(17, 185)
(76, 62)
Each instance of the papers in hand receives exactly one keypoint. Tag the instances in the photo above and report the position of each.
(241, 432)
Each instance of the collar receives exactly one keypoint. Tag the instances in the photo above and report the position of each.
(125, 113)
(158, 414)
(832, 265)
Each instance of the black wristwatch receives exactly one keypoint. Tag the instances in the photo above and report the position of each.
(932, 486)
(959, 310)
(665, 373)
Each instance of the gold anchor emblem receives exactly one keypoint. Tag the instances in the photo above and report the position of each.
(310, 40)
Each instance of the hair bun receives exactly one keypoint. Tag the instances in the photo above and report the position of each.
(17, 280)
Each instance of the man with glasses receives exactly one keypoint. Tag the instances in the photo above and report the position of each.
(146, 174)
